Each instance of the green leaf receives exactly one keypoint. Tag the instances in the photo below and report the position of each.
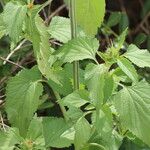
(104, 133)
(65, 76)
(140, 38)
(90, 14)
(53, 129)
(2, 26)
(35, 133)
(139, 57)
(133, 106)
(127, 67)
(95, 77)
(79, 49)
(22, 98)
(120, 41)
(124, 22)
(74, 113)
(14, 15)
(39, 36)
(82, 133)
(9, 139)
(114, 19)
(60, 29)
(77, 98)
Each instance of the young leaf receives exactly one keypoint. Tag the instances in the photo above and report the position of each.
(35, 133)
(14, 16)
(133, 106)
(139, 57)
(79, 49)
(60, 29)
(121, 40)
(53, 129)
(90, 14)
(22, 98)
(127, 67)
(82, 133)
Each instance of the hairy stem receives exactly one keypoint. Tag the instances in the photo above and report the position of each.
(74, 35)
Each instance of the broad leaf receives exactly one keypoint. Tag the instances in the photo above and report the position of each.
(65, 77)
(127, 67)
(14, 16)
(9, 139)
(76, 99)
(104, 134)
(60, 29)
(139, 57)
(53, 129)
(79, 49)
(22, 98)
(74, 113)
(82, 133)
(90, 14)
(133, 106)
(95, 76)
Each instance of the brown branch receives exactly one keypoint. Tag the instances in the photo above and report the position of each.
(11, 62)
(54, 13)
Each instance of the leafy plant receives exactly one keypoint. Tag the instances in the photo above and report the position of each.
(101, 103)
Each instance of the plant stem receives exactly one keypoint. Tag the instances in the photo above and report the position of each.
(63, 110)
(74, 35)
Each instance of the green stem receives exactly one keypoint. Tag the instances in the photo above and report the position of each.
(74, 35)
(63, 110)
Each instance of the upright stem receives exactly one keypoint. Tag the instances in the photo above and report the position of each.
(74, 35)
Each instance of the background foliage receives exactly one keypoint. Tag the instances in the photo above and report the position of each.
(23, 46)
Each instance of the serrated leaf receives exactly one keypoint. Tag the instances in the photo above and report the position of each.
(139, 57)
(95, 76)
(82, 133)
(60, 29)
(77, 98)
(35, 133)
(127, 67)
(65, 76)
(22, 98)
(90, 14)
(133, 106)
(56, 127)
(79, 49)
(14, 15)
(74, 113)
(39, 36)
(104, 134)
(9, 139)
